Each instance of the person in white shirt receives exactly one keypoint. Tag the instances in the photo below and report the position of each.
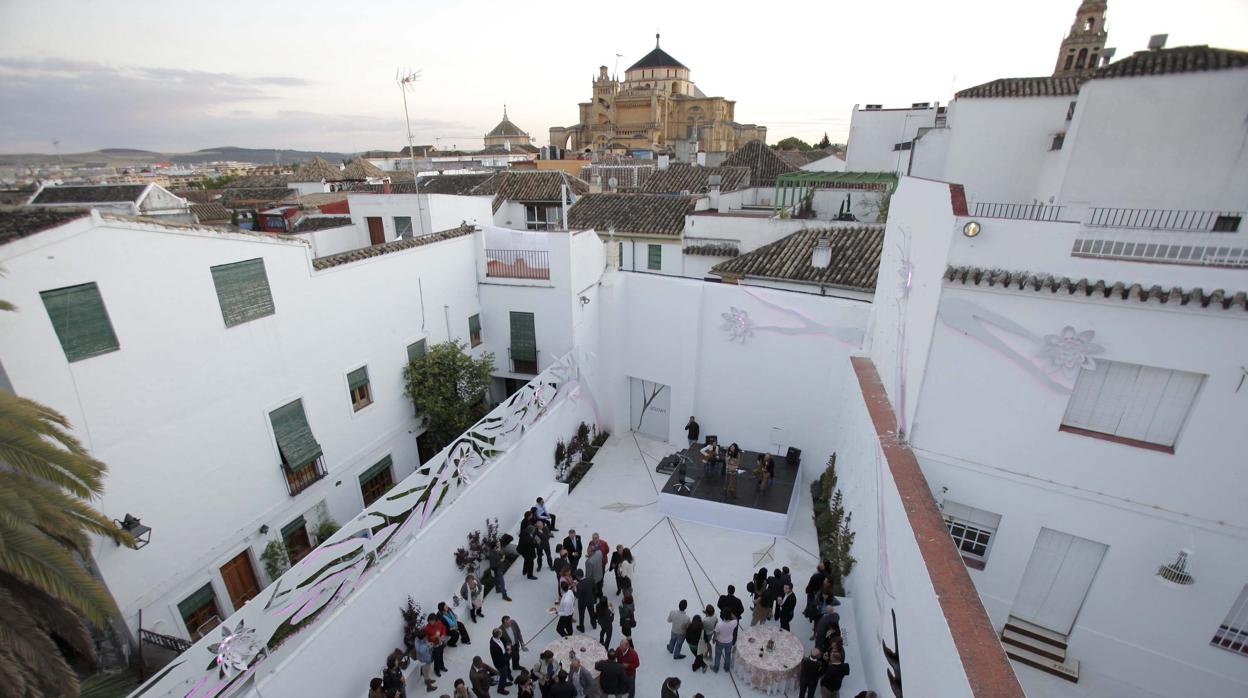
(725, 638)
(567, 607)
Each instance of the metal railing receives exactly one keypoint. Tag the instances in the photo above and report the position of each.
(1165, 219)
(527, 366)
(302, 478)
(169, 642)
(517, 264)
(1022, 212)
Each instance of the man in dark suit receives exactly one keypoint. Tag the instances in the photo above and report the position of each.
(572, 544)
(811, 672)
(788, 605)
(500, 656)
(730, 602)
(586, 597)
(527, 547)
(541, 541)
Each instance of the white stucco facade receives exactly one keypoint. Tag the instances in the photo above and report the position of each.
(876, 137)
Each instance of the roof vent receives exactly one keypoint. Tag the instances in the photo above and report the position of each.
(821, 256)
(1156, 42)
(713, 182)
(1107, 55)
(921, 105)
(873, 107)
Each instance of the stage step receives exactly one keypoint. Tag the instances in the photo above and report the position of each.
(1035, 632)
(1026, 642)
(1068, 669)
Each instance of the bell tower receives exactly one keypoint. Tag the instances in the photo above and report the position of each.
(1083, 47)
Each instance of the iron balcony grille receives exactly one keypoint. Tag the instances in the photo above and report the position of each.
(300, 479)
(1021, 212)
(1165, 219)
(526, 366)
(517, 264)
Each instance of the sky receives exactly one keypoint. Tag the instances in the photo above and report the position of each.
(176, 77)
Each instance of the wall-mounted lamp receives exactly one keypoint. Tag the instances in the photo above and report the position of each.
(971, 229)
(1178, 572)
(141, 534)
(264, 530)
(584, 300)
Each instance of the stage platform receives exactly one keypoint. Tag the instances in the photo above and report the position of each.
(770, 512)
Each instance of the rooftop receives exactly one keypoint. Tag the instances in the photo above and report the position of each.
(679, 177)
(462, 184)
(658, 58)
(1099, 288)
(17, 223)
(640, 214)
(311, 223)
(258, 181)
(506, 127)
(763, 162)
(316, 170)
(90, 194)
(337, 260)
(1024, 87)
(854, 263)
(360, 168)
(537, 185)
(210, 212)
(1169, 61)
(233, 198)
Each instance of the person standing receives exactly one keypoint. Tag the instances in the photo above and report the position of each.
(826, 626)
(760, 611)
(544, 672)
(594, 565)
(392, 680)
(581, 679)
(527, 547)
(626, 569)
(611, 677)
(788, 604)
(500, 656)
(567, 606)
(606, 621)
(435, 635)
(730, 603)
(627, 655)
(709, 621)
(481, 676)
(693, 636)
(472, 593)
(423, 654)
(585, 598)
(616, 558)
(725, 637)
(733, 463)
(680, 622)
(833, 675)
(572, 544)
(671, 688)
(513, 640)
(809, 675)
(495, 555)
(693, 430)
(812, 588)
(541, 540)
(460, 689)
(628, 615)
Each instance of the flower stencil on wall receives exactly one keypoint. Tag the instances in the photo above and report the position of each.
(1069, 351)
(739, 325)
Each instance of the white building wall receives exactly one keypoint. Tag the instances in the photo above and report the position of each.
(430, 213)
(831, 163)
(874, 132)
(318, 187)
(180, 412)
(635, 255)
(334, 240)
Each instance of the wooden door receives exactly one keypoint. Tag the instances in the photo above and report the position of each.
(1057, 580)
(240, 579)
(376, 231)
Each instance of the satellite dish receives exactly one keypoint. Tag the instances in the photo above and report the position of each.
(613, 182)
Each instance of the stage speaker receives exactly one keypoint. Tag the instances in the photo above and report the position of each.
(711, 439)
(794, 456)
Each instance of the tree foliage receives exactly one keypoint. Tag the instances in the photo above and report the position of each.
(448, 387)
(832, 527)
(825, 143)
(792, 143)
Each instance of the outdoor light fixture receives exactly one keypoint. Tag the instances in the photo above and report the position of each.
(142, 534)
(971, 229)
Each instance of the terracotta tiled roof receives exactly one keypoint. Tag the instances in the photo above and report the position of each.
(310, 223)
(231, 198)
(315, 170)
(517, 148)
(18, 223)
(638, 214)
(337, 260)
(531, 186)
(1024, 87)
(111, 193)
(506, 128)
(1168, 61)
(461, 184)
(258, 181)
(658, 58)
(763, 162)
(395, 188)
(199, 196)
(680, 177)
(1114, 290)
(797, 158)
(714, 249)
(854, 264)
(360, 168)
(211, 212)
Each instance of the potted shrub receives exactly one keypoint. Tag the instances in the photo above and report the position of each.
(469, 558)
(275, 559)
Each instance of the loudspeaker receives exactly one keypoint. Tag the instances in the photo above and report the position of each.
(794, 456)
(711, 439)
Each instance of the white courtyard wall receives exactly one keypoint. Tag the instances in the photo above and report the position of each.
(873, 133)
(430, 213)
(334, 240)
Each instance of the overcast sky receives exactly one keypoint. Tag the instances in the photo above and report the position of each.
(312, 74)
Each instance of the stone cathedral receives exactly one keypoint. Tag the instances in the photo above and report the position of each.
(657, 108)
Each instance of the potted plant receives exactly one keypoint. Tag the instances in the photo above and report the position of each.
(561, 457)
(275, 558)
(469, 558)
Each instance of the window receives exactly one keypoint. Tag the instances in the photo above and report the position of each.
(377, 480)
(523, 343)
(415, 350)
(1070, 60)
(474, 330)
(1232, 635)
(1089, 24)
(972, 530)
(906, 145)
(654, 257)
(361, 393)
(80, 321)
(199, 612)
(1059, 139)
(1226, 224)
(242, 291)
(1082, 59)
(403, 226)
(300, 452)
(1132, 404)
(541, 217)
(295, 537)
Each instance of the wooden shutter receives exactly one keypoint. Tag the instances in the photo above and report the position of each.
(242, 291)
(358, 377)
(383, 464)
(195, 601)
(523, 337)
(1143, 403)
(80, 320)
(294, 437)
(299, 524)
(415, 350)
(474, 325)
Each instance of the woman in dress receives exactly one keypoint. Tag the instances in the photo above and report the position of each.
(474, 594)
(626, 569)
(761, 611)
(628, 615)
(730, 471)
(703, 655)
(693, 634)
(606, 621)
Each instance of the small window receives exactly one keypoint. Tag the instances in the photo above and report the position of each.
(377, 480)
(199, 612)
(1232, 634)
(654, 257)
(523, 343)
(972, 530)
(80, 321)
(295, 537)
(415, 350)
(1070, 61)
(1127, 403)
(361, 392)
(242, 291)
(1089, 24)
(1226, 224)
(403, 226)
(1082, 59)
(1059, 139)
(474, 330)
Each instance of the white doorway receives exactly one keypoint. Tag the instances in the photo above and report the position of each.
(651, 406)
(1057, 580)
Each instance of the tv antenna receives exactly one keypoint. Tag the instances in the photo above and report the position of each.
(56, 145)
(616, 74)
(406, 80)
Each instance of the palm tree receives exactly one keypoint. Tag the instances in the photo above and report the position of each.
(46, 522)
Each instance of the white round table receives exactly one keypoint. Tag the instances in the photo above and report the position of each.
(587, 649)
(771, 672)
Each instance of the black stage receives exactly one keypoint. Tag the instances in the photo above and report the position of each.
(710, 487)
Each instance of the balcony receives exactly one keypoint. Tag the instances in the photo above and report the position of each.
(302, 478)
(1165, 219)
(1018, 212)
(517, 264)
(525, 366)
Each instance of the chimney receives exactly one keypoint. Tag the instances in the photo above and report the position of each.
(712, 190)
(385, 186)
(663, 162)
(821, 256)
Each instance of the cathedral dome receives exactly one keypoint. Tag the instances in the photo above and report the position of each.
(658, 58)
(506, 128)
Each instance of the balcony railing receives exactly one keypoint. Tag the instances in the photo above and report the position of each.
(517, 264)
(526, 366)
(1165, 219)
(1022, 212)
(300, 479)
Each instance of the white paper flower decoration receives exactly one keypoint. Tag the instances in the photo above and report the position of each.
(737, 324)
(1069, 351)
(236, 650)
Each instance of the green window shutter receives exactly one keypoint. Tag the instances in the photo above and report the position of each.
(402, 225)
(196, 600)
(474, 324)
(383, 464)
(242, 291)
(523, 338)
(358, 377)
(294, 436)
(80, 320)
(415, 350)
(293, 527)
(655, 259)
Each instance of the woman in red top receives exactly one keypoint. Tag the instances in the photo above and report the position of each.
(435, 633)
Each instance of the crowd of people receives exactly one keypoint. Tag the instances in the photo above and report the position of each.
(579, 569)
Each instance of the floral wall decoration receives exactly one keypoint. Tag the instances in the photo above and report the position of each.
(740, 326)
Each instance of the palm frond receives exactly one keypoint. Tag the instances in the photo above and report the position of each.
(31, 661)
(34, 440)
(42, 563)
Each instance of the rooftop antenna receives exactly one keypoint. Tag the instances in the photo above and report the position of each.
(616, 73)
(56, 145)
(406, 80)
